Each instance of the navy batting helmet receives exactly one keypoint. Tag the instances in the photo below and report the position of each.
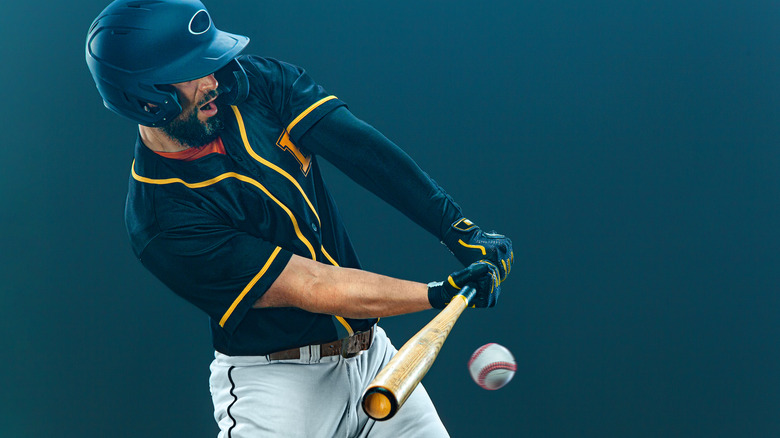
(136, 47)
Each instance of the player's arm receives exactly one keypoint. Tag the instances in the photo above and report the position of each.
(379, 165)
(376, 163)
(321, 288)
(226, 272)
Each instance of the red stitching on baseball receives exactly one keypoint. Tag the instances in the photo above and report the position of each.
(494, 366)
(478, 352)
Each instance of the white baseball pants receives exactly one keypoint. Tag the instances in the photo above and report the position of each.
(312, 397)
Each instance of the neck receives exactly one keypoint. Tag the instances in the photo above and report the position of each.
(157, 140)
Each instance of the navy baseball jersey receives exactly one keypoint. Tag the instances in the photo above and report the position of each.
(219, 230)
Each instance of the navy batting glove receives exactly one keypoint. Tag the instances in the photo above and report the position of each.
(482, 276)
(469, 243)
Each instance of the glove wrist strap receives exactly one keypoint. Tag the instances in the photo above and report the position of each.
(437, 296)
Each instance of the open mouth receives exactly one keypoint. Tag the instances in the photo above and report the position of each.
(210, 104)
(209, 109)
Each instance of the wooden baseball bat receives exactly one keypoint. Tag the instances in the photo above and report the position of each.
(396, 381)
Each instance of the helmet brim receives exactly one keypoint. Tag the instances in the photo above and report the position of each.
(199, 63)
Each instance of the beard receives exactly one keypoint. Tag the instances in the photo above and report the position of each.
(188, 130)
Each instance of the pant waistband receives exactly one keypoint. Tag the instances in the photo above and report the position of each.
(346, 347)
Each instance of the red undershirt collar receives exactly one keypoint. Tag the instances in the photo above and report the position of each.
(191, 154)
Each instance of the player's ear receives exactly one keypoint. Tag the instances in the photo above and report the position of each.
(153, 108)
(150, 107)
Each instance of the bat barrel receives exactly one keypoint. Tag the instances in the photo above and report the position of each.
(396, 381)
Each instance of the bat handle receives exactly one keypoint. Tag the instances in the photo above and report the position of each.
(381, 401)
(468, 293)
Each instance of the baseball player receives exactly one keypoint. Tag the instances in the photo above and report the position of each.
(226, 206)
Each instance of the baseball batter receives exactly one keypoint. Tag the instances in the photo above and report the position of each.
(227, 207)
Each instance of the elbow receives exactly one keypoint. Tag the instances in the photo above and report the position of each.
(319, 288)
(295, 286)
(313, 288)
(326, 291)
(320, 294)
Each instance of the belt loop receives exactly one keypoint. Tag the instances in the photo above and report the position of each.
(305, 353)
(315, 353)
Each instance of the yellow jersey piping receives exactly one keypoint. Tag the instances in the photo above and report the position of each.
(249, 287)
(339, 318)
(307, 111)
(253, 154)
(221, 177)
(330, 259)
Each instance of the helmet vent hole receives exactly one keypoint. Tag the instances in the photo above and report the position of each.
(200, 22)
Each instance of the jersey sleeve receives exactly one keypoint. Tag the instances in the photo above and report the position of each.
(220, 270)
(289, 92)
(369, 158)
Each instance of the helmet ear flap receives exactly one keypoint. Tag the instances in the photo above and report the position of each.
(151, 106)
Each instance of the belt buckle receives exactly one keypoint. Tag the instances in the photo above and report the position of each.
(350, 346)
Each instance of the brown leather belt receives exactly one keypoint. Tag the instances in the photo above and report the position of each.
(347, 347)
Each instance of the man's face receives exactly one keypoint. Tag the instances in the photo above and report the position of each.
(199, 122)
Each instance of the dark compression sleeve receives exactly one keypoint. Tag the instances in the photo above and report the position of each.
(370, 159)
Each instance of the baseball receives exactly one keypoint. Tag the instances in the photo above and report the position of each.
(492, 366)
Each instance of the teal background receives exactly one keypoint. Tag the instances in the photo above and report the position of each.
(629, 149)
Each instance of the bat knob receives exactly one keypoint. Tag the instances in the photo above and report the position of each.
(378, 405)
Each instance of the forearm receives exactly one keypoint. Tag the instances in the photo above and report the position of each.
(351, 293)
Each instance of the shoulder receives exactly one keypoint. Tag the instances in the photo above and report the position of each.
(259, 67)
(161, 196)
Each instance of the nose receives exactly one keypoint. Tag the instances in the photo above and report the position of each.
(208, 83)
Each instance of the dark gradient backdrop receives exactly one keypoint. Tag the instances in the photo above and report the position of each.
(629, 148)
